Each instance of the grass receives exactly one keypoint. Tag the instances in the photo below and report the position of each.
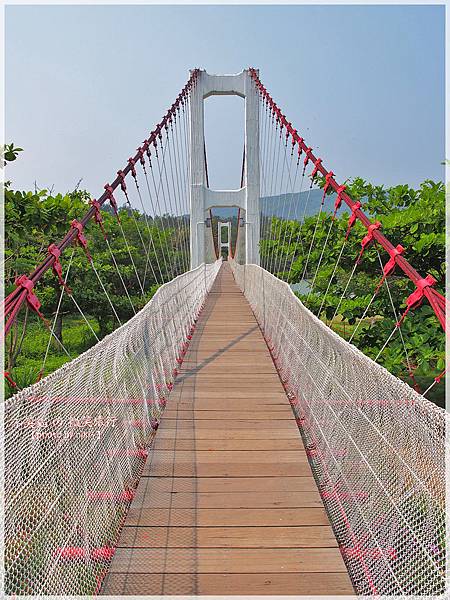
(77, 338)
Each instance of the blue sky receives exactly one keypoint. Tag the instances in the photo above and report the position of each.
(363, 84)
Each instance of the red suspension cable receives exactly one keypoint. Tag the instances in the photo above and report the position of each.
(436, 300)
(14, 301)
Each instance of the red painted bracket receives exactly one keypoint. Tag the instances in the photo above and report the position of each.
(110, 194)
(368, 238)
(97, 215)
(337, 205)
(78, 227)
(352, 218)
(31, 298)
(415, 299)
(54, 251)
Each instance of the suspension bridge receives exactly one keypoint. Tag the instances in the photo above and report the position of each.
(223, 440)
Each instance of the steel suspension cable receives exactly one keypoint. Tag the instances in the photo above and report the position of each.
(394, 312)
(182, 191)
(291, 204)
(136, 226)
(299, 235)
(332, 276)
(320, 259)
(131, 257)
(167, 198)
(163, 153)
(162, 221)
(264, 175)
(292, 230)
(281, 218)
(24, 290)
(84, 316)
(424, 286)
(106, 293)
(313, 239)
(158, 229)
(185, 135)
(273, 137)
(52, 330)
(273, 192)
(177, 194)
(278, 187)
(150, 235)
(120, 275)
(345, 291)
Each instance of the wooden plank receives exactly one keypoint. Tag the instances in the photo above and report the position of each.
(319, 536)
(227, 415)
(228, 457)
(209, 344)
(200, 500)
(231, 396)
(223, 485)
(237, 369)
(233, 584)
(283, 425)
(229, 355)
(231, 405)
(248, 469)
(232, 433)
(232, 517)
(251, 380)
(225, 359)
(226, 560)
(164, 443)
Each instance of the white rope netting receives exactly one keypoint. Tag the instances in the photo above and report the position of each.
(376, 447)
(76, 442)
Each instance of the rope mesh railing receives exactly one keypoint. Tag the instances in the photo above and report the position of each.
(337, 261)
(76, 442)
(376, 447)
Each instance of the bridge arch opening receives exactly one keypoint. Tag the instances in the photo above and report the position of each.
(224, 140)
(224, 127)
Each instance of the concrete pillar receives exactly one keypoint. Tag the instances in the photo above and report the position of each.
(202, 198)
(197, 175)
(251, 174)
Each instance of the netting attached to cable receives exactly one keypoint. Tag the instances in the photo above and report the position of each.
(76, 442)
(376, 447)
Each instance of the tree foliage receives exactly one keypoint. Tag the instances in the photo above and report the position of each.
(414, 218)
(146, 251)
(313, 250)
(9, 152)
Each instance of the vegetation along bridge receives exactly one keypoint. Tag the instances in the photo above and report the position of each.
(223, 434)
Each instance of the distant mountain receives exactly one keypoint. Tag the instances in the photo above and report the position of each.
(294, 206)
(289, 206)
(223, 212)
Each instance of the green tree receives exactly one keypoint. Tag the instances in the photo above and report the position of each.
(139, 254)
(414, 218)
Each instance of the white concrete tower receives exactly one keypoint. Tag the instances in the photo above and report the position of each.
(202, 198)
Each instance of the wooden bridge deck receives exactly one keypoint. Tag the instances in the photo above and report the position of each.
(227, 503)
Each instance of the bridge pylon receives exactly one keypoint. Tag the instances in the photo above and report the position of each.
(202, 197)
